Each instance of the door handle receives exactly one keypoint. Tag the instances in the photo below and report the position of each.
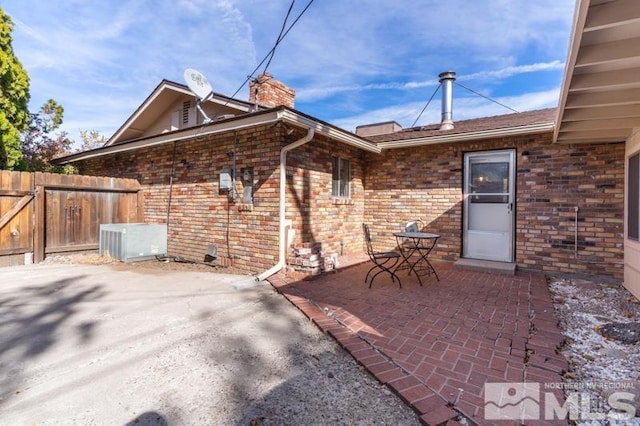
(510, 207)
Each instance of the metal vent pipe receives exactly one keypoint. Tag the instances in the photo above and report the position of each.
(446, 79)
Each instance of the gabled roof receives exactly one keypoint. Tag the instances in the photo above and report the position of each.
(274, 115)
(600, 96)
(475, 129)
(162, 96)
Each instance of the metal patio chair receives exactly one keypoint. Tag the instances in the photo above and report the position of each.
(382, 261)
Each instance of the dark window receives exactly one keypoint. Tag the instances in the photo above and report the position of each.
(341, 172)
(490, 182)
(633, 197)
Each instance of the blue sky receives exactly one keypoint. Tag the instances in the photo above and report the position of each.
(351, 62)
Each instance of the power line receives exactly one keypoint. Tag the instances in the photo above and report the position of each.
(486, 97)
(269, 54)
(279, 39)
(250, 76)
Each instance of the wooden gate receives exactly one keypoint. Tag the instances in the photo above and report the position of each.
(17, 193)
(44, 213)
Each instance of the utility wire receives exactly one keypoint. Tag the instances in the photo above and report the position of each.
(279, 39)
(486, 97)
(425, 107)
(267, 56)
(250, 76)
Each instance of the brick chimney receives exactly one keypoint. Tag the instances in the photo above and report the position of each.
(270, 93)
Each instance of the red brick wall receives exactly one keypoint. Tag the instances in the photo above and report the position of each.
(201, 215)
(334, 222)
(271, 92)
(387, 190)
(426, 183)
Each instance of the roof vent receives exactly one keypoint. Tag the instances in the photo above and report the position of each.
(446, 79)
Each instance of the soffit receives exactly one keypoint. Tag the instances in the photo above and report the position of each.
(600, 96)
(163, 96)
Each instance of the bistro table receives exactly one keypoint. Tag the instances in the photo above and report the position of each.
(415, 248)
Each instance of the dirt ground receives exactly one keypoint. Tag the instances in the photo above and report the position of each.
(161, 264)
(163, 343)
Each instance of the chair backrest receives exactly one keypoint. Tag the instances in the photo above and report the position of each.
(367, 238)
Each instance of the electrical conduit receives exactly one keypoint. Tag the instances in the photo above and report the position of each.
(282, 244)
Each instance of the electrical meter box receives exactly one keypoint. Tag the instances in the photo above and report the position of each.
(225, 180)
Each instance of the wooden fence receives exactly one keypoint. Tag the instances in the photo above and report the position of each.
(44, 213)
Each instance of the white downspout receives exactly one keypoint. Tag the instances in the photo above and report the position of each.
(282, 245)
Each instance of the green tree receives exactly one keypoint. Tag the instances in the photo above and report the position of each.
(39, 145)
(14, 98)
(91, 139)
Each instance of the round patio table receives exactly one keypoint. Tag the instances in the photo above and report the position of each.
(415, 248)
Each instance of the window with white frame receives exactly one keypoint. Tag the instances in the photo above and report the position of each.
(633, 197)
(341, 178)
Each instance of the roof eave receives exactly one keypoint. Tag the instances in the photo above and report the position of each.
(477, 135)
(332, 132)
(237, 123)
(177, 87)
(579, 19)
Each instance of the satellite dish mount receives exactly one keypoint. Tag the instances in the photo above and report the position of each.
(200, 86)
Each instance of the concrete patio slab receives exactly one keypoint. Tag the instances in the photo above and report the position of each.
(438, 345)
(117, 345)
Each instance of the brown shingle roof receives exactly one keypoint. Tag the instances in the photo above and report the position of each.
(474, 125)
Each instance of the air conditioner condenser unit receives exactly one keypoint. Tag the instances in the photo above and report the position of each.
(131, 242)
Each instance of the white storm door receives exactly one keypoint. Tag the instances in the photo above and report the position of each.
(489, 217)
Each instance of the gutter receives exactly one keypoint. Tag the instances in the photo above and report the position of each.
(236, 123)
(459, 137)
(282, 245)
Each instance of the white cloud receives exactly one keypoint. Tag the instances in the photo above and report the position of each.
(345, 59)
(316, 93)
(464, 108)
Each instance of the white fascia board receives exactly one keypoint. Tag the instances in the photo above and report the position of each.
(329, 131)
(136, 114)
(460, 137)
(168, 86)
(232, 103)
(226, 126)
(579, 21)
(203, 130)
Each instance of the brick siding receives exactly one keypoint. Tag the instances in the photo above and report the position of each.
(387, 190)
(201, 214)
(270, 92)
(426, 183)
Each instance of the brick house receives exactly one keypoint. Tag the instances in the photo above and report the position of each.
(382, 179)
(221, 182)
(600, 103)
(513, 189)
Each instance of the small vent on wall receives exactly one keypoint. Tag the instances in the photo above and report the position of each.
(185, 113)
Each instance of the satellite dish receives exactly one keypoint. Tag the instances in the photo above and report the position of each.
(200, 86)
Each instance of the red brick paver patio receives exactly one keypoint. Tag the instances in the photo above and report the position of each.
(436, 346)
